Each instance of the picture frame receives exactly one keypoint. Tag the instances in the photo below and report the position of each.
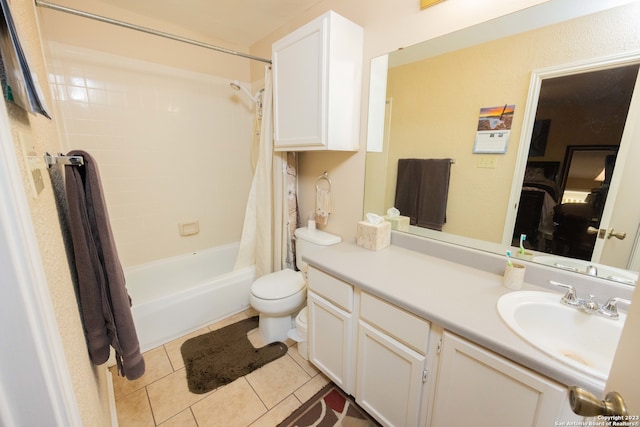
(428, 3)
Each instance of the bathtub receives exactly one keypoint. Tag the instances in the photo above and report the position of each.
(174, 296)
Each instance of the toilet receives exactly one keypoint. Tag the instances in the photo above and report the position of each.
(279, 296)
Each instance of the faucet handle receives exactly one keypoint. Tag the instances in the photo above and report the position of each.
(590, 306)
(570, 297)
(610, 309)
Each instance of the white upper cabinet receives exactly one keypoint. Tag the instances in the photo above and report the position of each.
(317, 83)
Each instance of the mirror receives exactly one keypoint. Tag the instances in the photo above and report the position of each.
(434, 94)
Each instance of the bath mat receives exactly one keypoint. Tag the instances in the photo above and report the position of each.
(219, 357)
(329, 407)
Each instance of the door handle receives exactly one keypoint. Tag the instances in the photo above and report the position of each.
(587, 405)
(618, 235)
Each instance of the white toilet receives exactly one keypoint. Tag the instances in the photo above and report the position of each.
(279, 296)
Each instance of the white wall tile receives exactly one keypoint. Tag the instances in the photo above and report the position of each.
(172, 146)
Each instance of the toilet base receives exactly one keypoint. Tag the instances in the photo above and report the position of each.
(274, 328)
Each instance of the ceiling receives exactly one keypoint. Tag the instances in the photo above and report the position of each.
(240, 22)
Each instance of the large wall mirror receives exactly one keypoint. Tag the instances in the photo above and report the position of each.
(565, 173)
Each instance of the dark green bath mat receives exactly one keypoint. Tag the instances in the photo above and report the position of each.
(219, 357)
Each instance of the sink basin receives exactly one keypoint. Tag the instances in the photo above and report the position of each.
(584, 341)
(611, 273)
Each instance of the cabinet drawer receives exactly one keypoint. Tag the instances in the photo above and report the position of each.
(330, 288)
(402, 325)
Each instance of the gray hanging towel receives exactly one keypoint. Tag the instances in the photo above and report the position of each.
(422, 191)
(105, 306)
(408, 188)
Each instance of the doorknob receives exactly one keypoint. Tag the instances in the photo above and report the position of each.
(587, 405)
(617, 235)
(592, 230)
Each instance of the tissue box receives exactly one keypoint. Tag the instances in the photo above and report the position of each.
(373, 237)
(400, 223)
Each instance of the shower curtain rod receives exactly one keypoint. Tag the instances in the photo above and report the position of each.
(147, 30)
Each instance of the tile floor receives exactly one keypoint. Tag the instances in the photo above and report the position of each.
(264, 397)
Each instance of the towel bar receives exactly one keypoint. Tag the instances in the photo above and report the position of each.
(61, 159)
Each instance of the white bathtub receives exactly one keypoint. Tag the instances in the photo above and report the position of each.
(174, 296)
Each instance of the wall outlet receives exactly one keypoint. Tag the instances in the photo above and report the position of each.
(488, 162)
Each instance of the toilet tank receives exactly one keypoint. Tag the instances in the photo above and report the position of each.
(309, 238)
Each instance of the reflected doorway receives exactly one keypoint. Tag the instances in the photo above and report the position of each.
(578, 127)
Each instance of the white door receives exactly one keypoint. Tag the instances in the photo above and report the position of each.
(625, 375)
(35, 385)
(622, 210)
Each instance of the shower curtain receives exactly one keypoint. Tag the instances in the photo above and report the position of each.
(266, 240)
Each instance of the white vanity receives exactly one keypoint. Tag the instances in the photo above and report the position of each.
(419, 342)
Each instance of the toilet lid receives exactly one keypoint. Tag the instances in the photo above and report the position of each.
(280, 284)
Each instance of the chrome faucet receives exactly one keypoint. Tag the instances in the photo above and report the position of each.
(570, 298)
(592, 270)
(590, 306)
(610, 309)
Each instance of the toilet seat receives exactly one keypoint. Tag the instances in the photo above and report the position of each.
(278, 285)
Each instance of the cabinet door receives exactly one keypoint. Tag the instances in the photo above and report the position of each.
(330, 341)
(300, 85)
(477, 387)
(389, 378)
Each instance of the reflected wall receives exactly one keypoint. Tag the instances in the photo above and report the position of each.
(434, 107)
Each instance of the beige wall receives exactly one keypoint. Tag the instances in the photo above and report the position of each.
(89, 382)
(436, 102)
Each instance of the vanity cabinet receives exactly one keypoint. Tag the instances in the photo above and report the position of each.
(317, 73)
(391, 359)
(405, 371)
(478, 387)
(330, 302)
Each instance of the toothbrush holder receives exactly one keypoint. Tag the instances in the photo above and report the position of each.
(526, 255)
(513, 277)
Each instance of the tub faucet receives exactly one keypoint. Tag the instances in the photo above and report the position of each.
(592, 270)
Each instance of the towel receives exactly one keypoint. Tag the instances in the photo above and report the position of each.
(323, 206)
(422, 190)
(408, 188)
(105, 306)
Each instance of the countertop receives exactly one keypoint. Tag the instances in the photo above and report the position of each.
(459, 298)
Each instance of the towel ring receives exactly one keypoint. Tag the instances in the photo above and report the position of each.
(323, 177)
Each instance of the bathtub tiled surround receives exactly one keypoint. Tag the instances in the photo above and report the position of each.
(262, 398)
(173, 146)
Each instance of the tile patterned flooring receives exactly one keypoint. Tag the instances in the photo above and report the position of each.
(262, 398)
